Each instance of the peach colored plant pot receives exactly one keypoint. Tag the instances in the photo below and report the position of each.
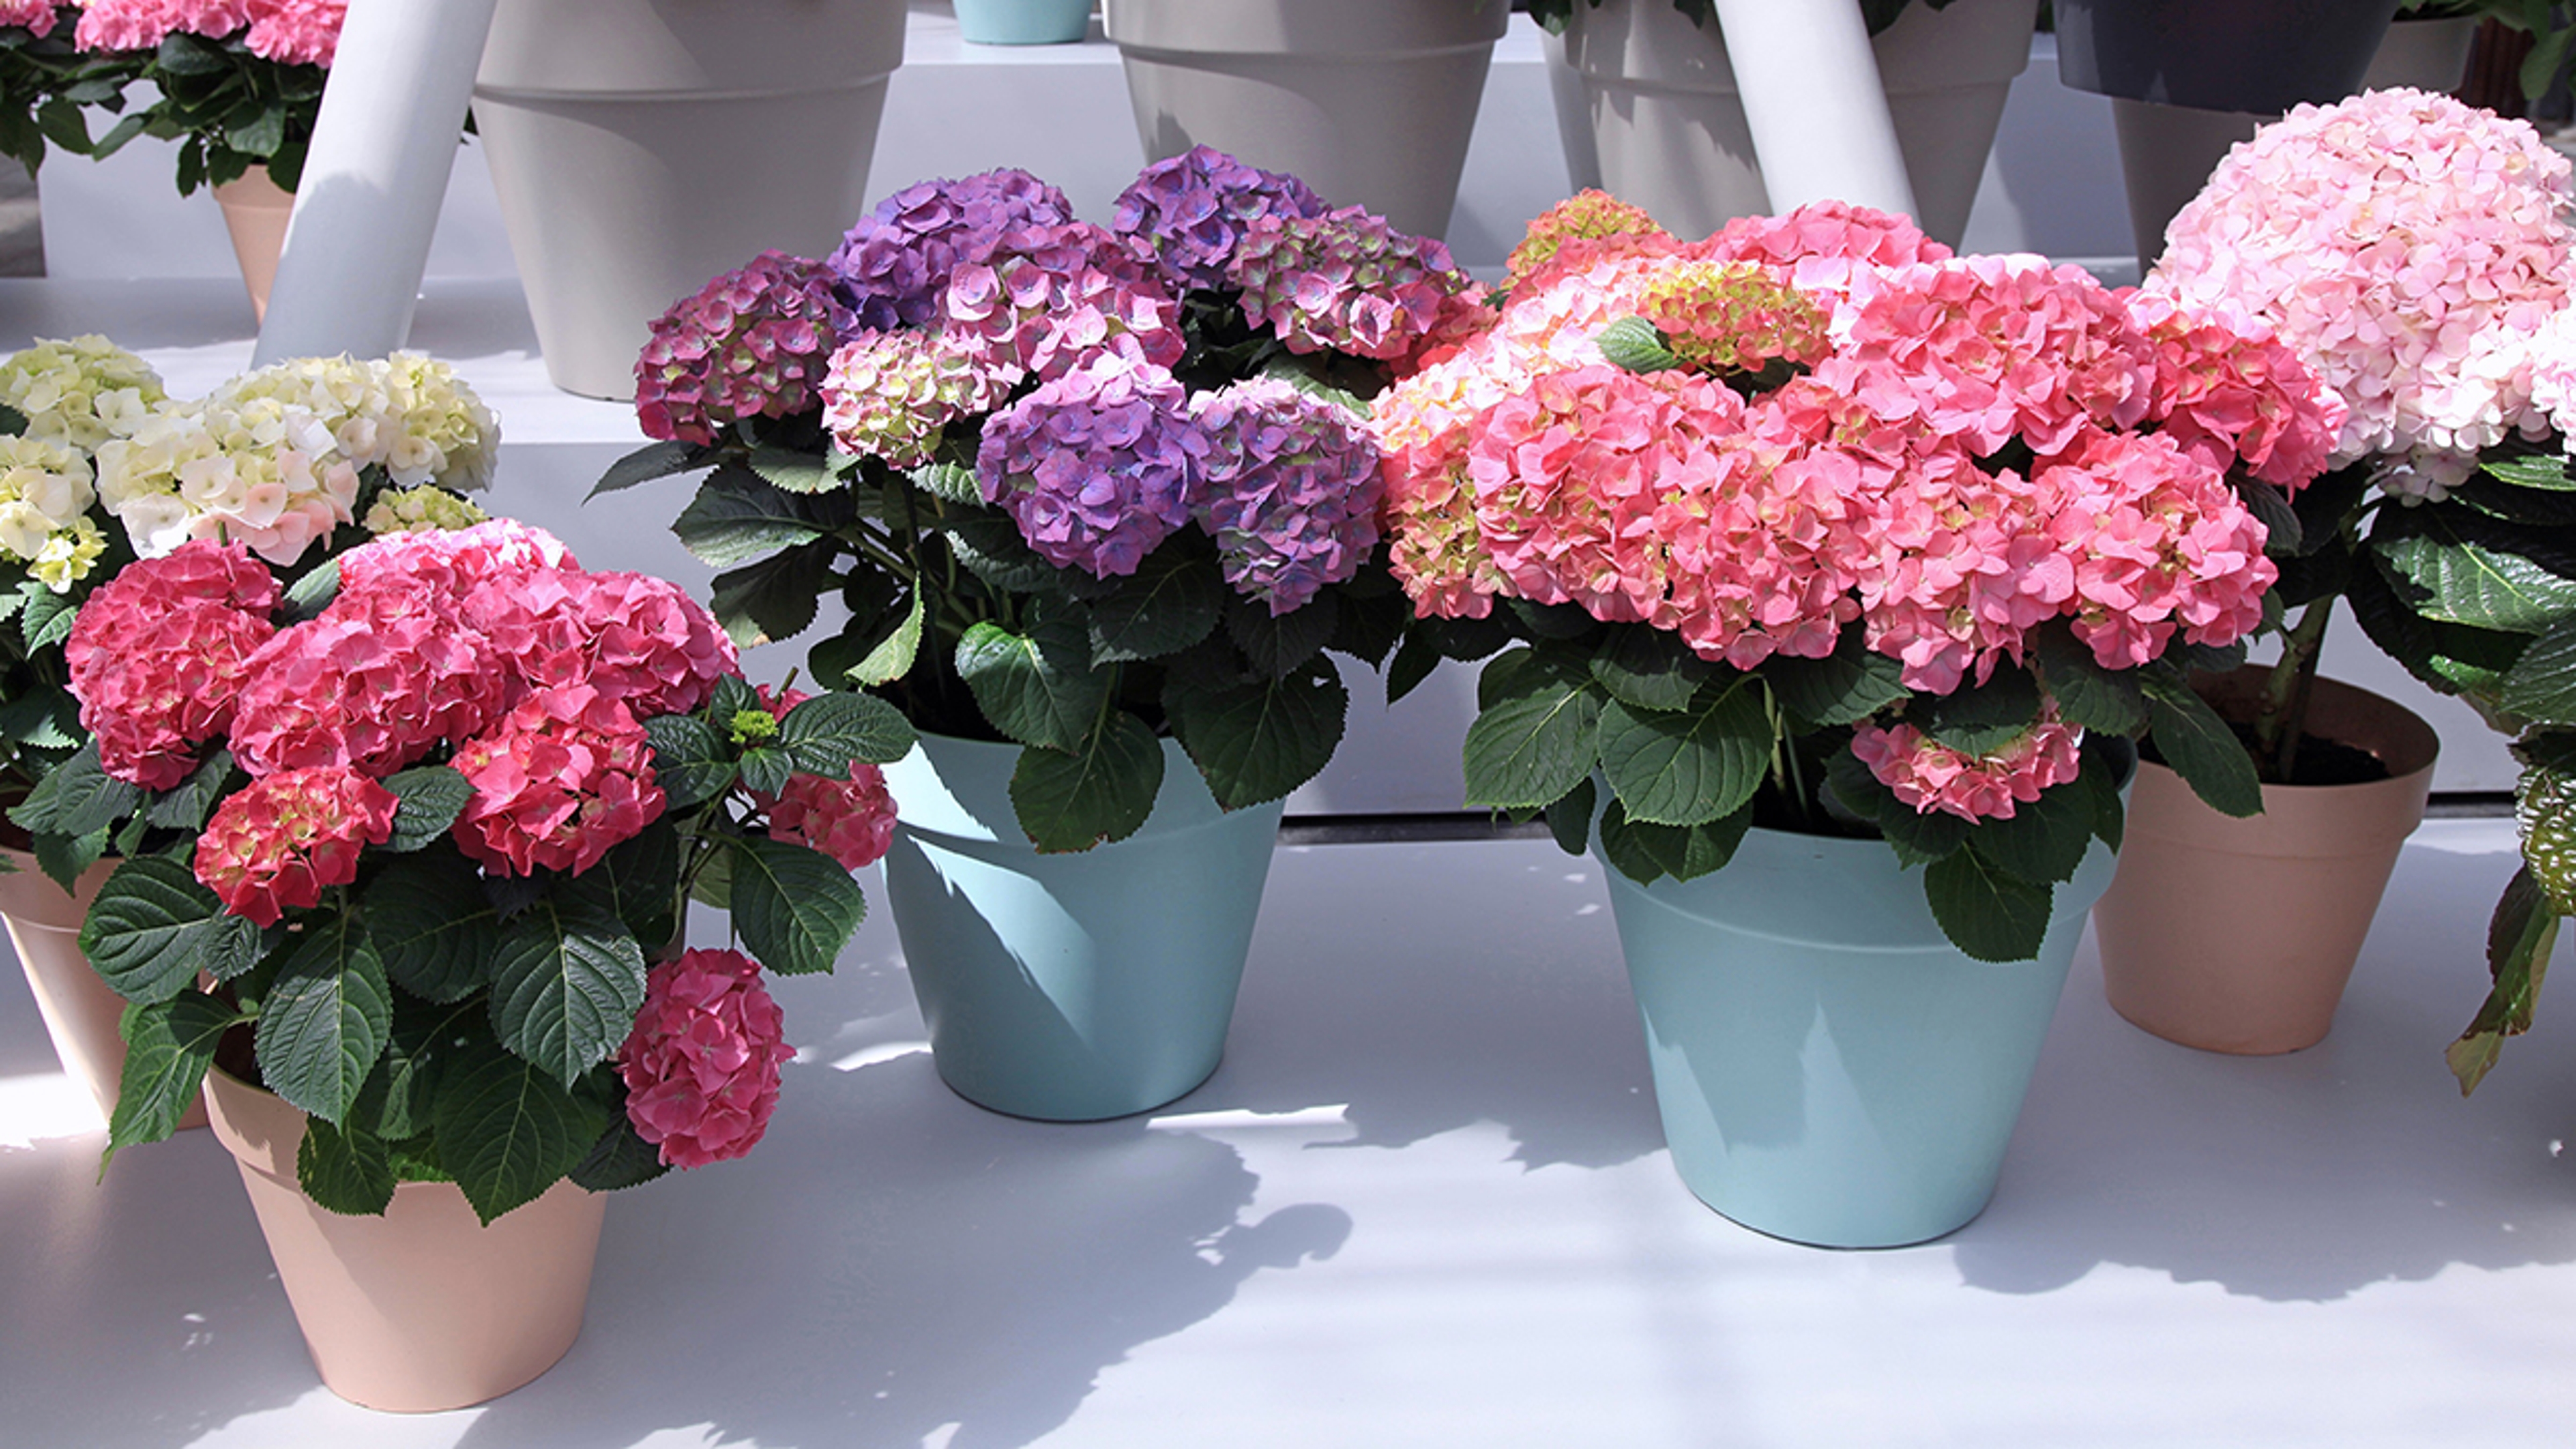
(423, 1308)
(81, 1012)
(255, 212)
(2238, 935)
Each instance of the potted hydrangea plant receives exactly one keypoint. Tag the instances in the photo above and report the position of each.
(296, 458)
(1099, 502)
(408, 850)
(2404, 247)
(1832, 575)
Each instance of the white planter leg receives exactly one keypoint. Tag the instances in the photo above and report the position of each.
(1813, 99)
(382, 147)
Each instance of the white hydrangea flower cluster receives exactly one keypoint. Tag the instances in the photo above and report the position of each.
(407, 414)
(45, 495)
(421, 510)
(81, 392)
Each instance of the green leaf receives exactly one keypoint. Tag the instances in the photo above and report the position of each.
(690, 760)
(1634, 344)
(1570, 818)
(66, 858)
(262, 136)
(988, 543)
(1981, 719)
(640, 881)
(188, 804)
(793, 471)
(773, 598)
(507, 1131)
(2470, 570)
(2519, 938)
(394, 1105)
(621, 1158)
(1258, 741)
(168, 1047)
(737, 517)
(653, 460)
(948, 483)
(325, 1019)
(2088, 695)
(2544, 471)
(344, 1171)
(1070, 803)
(46, 619)
(1688, 767)
(2541, 684)
(153, 929)
(1643, 851)
(1537, 734)
(1039, 688)
(1650, 669)
(1414, 660)
(1171, 602)
(2046, 838)
(2544, 809)
(795, 907)
(567, 980)
(431, 797)
(313, 590)
(1845, 687)
(435, 930)
(2201, 748)
(829, 732)
(768, 769)
(1279, 644)
(893, 656)
(1986, 913)
(77, 797)
(2272, 508)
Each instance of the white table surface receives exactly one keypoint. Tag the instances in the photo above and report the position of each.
(1426, 1202)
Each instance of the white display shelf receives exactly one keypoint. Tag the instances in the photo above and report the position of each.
(1426, 1202)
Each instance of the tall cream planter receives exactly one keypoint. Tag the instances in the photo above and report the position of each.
(1370, 102)
(1668, 120)
(641, 147)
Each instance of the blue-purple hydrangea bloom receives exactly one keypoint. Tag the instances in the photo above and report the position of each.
(1193, 210)
(895, 262)
(1095, 466)
(1289, 489)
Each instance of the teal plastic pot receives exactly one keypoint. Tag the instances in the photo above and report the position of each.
(1023, 22)
(1070, 988)
(1831, 1070)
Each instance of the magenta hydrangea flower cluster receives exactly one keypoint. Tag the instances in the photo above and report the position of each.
(1346, 282)
(701, 1066)
(895, 263)
(1288, 488)
(1195, 208)
(1096, 466)
(752, 343)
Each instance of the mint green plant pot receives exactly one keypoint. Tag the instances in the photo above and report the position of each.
(1831, 1070)
(1023, 22)
(1070, 988)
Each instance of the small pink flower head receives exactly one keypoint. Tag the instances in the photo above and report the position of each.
(701, 1066)
(144, 24)
(1585, 216)
(1346, 282)
(159, 652)
(1931, 776)
(296, 32)
(36, 16)
(1017, 317)
(2228, 390)
(630, 637)
(567, 776)
(375, 683)
(893, 394)
(451, 563)
(278, 843)
(1824, 244)
(751, 343)
(850, 820)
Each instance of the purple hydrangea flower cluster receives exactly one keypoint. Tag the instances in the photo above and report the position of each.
(1289, 489)
(751, 343)
(1023, 318)
(892, 394)
(1074, 246)
(895, 262)
(1194, 209)
(1096, 466)
(1346, 282)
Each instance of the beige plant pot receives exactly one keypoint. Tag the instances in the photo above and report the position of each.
(1668, 121)
(81, 1012)
(2238, 935)
(642, 147)
(423, 1308)
(1370, 102)
(255, 212)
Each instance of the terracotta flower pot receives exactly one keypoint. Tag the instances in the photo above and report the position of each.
(80, 1011)
(255, 212)
(423, 1308)
(2238, 935)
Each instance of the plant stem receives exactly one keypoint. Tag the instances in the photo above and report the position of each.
(2282, 720)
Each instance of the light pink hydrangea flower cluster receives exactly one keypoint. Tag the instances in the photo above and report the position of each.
(36, 16)
(701, 1066)
(291, 32)
(2395, 242)
(1931, 776)
(279, 843)
(893, 394)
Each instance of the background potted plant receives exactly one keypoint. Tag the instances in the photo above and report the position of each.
(1836, 573)
(236, 85)
(1099, 501)
(293, 457)
(1665, 123)
(1024, 22)
(408, 849)
(2300, 231)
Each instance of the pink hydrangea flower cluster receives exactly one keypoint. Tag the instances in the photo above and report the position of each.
(633, 637)
(850, 820)
(292, 32)
(1095, 467)
(1931, 776)
(451, 563)
(1347, 282)
(1289, 489)
(752, 343)
(2228, 389)
(1585, 216)
(1018, 317)
(158, 655)
(376, 682)
(701, 1066)
(278, 843)
(563, 778)
(893, 394)
(35, 16)
(1193, 210)
(895, 263)
(2380, 237)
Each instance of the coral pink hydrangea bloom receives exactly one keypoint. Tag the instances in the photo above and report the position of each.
(1930, 776)
(376, 682)
(159, 652)
(296, 32)
(850, 820)
(567, 776)
(2228, 390)
(37, 16)
(276, 844)
(632, 637)
(451, 563)
(701, 1066)
(144, 24)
